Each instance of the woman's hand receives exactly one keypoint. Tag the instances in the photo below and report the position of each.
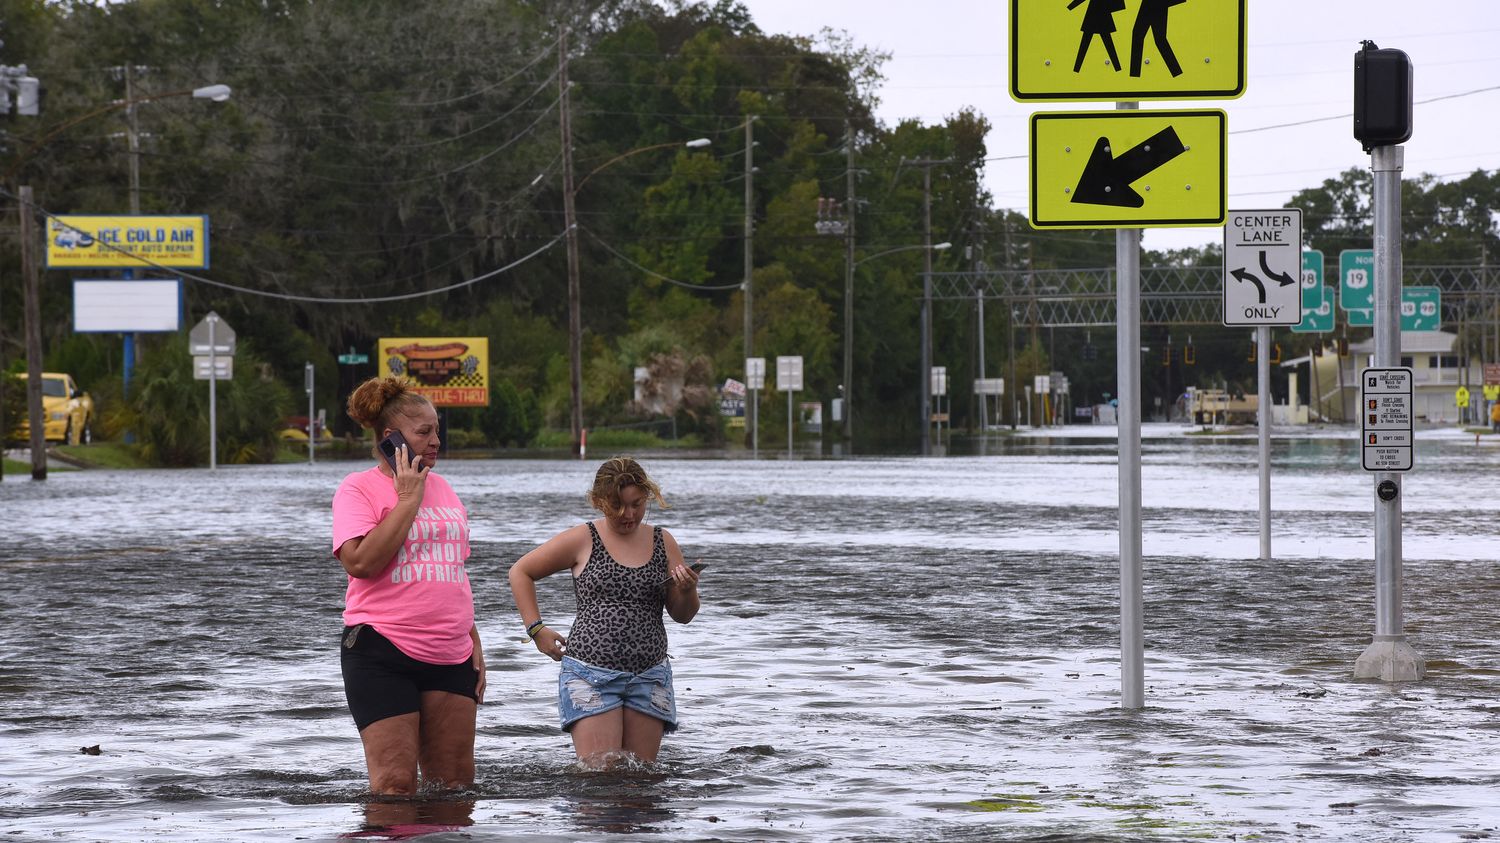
(551, 644)
(411, 477)
(478, 661)
(682, 578)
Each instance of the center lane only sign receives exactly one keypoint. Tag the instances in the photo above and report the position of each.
(1263, 267)
(1128, 169)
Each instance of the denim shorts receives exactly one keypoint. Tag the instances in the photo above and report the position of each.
(584, 690)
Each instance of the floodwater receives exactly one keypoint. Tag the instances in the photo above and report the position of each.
(889, 649)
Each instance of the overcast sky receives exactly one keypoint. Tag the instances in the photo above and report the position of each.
(948, 54)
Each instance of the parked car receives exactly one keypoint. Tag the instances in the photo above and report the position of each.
(67, 411)
(295, 430)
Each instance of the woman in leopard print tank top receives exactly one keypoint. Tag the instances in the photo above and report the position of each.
(615, 691)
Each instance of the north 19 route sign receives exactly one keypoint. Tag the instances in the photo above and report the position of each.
(1127, 169)
(1263, 267)
(1101, 50)
(1386, 419)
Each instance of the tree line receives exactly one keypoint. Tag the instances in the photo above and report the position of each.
(378, 156)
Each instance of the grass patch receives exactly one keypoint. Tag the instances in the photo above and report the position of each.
(102, 455)
(16, 468)
(615, 440)
(1007, 802)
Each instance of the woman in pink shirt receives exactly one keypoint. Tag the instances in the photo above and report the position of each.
(412, 663)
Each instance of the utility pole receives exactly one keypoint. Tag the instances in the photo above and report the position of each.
(31, 312)
(133, 140)
(570, 220)
(924, 376)
(849, 213)
(749, 234)
(747, 285)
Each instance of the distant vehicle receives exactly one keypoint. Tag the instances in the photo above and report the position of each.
(67, 411)
(296, 430)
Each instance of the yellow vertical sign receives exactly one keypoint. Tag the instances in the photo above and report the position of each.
(1103, 50)
(1128, 169)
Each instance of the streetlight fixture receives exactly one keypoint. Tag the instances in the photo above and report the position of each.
(575, 316)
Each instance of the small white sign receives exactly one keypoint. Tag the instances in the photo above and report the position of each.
(938, 381)
(789, 374)
(1042, 384)
(111, 306)
(1386, 425)
(1263, 267)
(223, 368)
(755, 372)
(989, 386)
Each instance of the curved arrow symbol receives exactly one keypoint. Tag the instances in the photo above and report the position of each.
(1242, 275)
(1281, 277)
(1106, 180)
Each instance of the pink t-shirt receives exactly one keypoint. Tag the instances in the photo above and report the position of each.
(421, 599)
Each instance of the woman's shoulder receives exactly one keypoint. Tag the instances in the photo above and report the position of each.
(361, 479)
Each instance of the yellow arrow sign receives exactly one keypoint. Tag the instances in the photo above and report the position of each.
(1126, 49)
(1128, 169)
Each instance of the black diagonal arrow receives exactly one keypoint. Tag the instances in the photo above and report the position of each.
(1106, 179)
(1286, 280)
(1243, 275)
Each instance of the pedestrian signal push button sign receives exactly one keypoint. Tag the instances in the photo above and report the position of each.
(1386, 419)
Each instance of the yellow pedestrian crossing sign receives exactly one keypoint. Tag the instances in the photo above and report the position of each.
(1099, 50)
(1128, 169)
(1461, 396)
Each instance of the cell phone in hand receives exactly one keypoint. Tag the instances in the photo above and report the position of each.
(390, 445)
(695, 568)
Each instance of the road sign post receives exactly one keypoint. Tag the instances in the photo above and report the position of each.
(212, 337)
(789, 380)
(1263, 287)
(1127, 170)
(755, 379)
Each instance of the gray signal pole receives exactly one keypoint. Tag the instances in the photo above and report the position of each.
(1389, 656)
(925, 373)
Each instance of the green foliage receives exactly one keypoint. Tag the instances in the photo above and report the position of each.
(513, 417)
(168, 410)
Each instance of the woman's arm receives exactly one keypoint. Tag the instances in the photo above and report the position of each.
(558, 553)
(367, 556)
(682, 594)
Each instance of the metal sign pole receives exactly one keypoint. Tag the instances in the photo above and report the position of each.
(310, 422)
(213, 395)
(1389, 656)
(1263, 374)
(788, 424)
(1128, 369)
(755, 424)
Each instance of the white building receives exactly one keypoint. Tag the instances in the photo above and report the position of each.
(1438, 370)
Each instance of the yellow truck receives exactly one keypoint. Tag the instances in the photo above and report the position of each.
(67, 411)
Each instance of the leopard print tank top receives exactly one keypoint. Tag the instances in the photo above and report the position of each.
(619, 623)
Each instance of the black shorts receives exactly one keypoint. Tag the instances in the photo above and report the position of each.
(380, 681)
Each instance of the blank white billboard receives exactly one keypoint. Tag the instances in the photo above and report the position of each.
(110, 306)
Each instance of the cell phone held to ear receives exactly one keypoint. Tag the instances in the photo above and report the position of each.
(389, 447)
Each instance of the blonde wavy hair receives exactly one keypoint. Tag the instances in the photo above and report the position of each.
(612, 478)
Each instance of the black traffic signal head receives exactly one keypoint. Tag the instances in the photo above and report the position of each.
(1382, 96)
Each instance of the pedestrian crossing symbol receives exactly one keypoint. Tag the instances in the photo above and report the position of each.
(1106, 50)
